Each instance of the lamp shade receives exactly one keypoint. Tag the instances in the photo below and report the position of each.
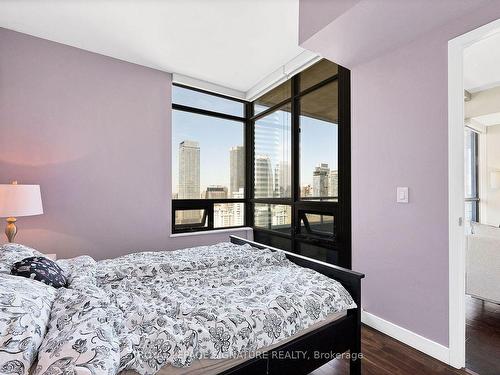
(495, 179)
(20, 200)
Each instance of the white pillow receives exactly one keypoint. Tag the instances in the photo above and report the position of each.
(25, 306)
(485, 230)
(11, 253)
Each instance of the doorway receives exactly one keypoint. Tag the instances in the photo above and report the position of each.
(469, 181)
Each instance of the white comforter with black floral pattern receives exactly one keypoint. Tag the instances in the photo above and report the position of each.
(146, 310)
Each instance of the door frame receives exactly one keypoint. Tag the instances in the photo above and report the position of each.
(456, 232)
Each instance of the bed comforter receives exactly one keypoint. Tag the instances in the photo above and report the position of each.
(146, 310)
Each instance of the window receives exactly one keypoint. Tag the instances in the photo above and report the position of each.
(272, 155)
(300, 196)
(280, 164)
(205, 101)
(208, 161)
(273, 97)
(471, 175)
(319, 144)
(273, 217)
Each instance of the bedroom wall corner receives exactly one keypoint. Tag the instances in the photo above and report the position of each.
(94, 132)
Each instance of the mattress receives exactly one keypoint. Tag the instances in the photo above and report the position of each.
(216, 366)
(181, 312)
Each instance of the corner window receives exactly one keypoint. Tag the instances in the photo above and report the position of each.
(300, 195)
(208, 161)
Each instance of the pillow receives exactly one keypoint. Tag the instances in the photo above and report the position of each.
(25, 307)
(40, 269)
(485, 230)
(11, 253)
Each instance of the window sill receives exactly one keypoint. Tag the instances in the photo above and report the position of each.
(201, 233)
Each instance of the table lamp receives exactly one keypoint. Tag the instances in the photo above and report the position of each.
(18, 200)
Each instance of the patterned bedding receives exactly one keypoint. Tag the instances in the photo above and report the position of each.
(146, 310)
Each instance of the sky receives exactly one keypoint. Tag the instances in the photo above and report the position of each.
(319, 139)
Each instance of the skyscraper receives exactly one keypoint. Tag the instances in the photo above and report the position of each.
(263, 177)
(282, 179)
(320, 180)
(333, 183)
(189, 170)
(236, 169)
(239, 208)
(230, 214)
(216, 192)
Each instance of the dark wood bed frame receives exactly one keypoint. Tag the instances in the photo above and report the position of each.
(337, 337)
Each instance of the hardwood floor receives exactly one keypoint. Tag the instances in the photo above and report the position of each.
(382, 355)
(482, 345)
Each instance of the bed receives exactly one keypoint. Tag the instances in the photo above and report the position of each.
(233, 308)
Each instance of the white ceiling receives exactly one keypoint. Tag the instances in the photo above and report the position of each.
(482, 64)
(232, 43)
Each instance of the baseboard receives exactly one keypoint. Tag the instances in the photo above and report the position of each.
(429, 347)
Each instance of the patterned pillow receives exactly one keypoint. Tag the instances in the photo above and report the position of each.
(11, 253)
(24, 317)
(41, 269)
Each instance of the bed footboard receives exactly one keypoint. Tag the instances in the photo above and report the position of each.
(346, 332)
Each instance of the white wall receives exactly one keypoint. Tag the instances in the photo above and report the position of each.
(492, 198)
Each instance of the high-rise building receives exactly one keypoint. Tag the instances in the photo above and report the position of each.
(189, 179)
(230, 214)
(216, 192)
(320, 180)
(263, 177)
(236, 168)
(281, 216)
(189, 170)
(282, 182)
(239, 208)
(333, 183)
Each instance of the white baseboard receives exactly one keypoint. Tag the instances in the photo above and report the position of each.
(407, 337)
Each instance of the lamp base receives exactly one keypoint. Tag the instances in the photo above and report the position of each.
(11, 229)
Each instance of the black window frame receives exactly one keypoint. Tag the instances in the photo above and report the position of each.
(208, 204)
(340, 242)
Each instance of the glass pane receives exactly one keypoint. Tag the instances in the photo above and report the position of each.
(470, 163)
(272, 155)
(273, 97)
(229, 214)
(317, 73)
(471, 211)
(195, 217)
(273, 216)
(468, 211)
(317, 252)
(319, 144)
(317, 224)
(207, 157)
(192, 98)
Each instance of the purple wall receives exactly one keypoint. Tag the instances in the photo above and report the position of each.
(94, 132)
(399, 138)
(316, 14)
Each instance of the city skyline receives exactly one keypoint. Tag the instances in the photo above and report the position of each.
(319, 142)
(270, 181)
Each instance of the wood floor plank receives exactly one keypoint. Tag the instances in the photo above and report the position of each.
(482, 346)
(383, 355)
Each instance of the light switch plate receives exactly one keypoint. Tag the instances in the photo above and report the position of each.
(402, 195)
